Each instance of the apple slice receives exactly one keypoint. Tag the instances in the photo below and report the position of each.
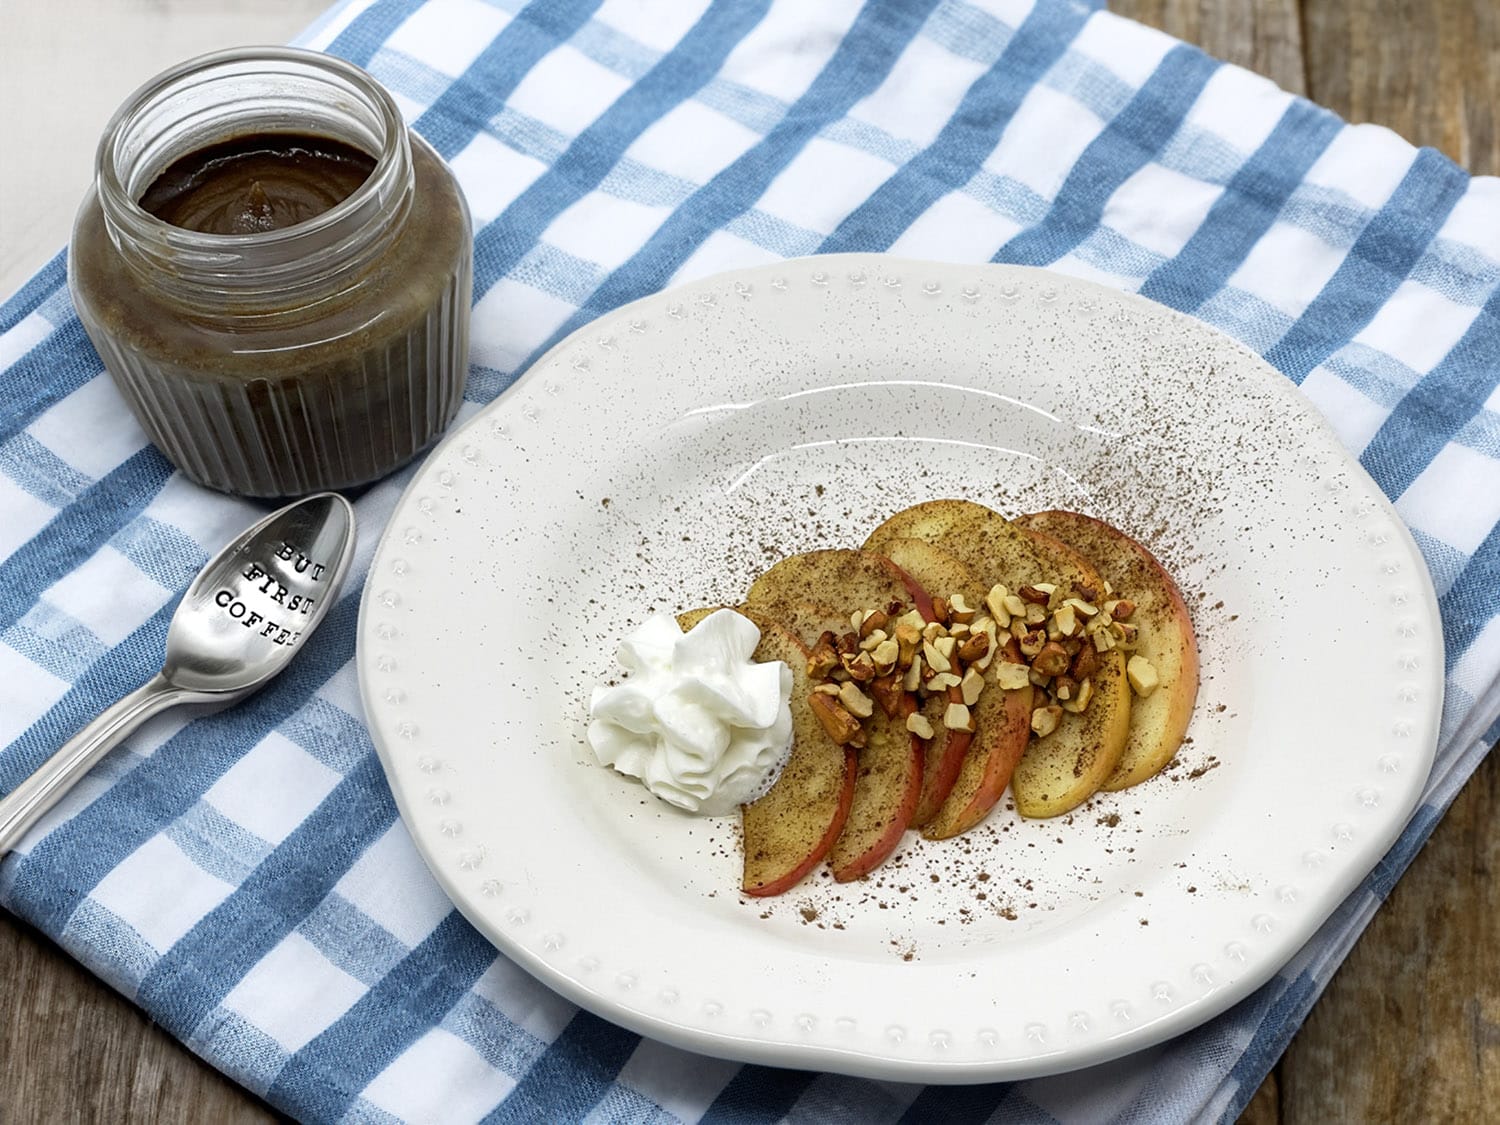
(1158, 721)
(849, 580)
(931, 571)
(888, 781)
(789, 829)
(978, 537)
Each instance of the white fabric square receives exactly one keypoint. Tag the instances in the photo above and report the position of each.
(293, 993)
(1264, 271)
(692, 142)
(722, 251)
(512, 319)
(1353, 416)
(1476, 667)
(492, 174)
(784, 52)
(1417, 326)
(91, 429)
(109, 595)
(409, 108)
(1129, 49)
(1472, 219)
(448, 35)
(273, 788)
(957, 228)
(528, 1003)
(1074, 266)
(567, 90)
(1044, 140)
(604, 228)
(650, 23)
(159, 892)
(25, 515)
(392, 885)
(1160, 209)
(679, 1082)
(1239, 107)
(26, 334)
(27, 692)
(919, 94)
(211, 522)
(1365, 162)
(824, 183)
(342, 688)
(1456, 498)
(439, 1078)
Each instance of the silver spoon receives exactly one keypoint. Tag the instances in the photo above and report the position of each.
(239, 624)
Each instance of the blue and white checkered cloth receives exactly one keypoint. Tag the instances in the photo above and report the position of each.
(244, 877)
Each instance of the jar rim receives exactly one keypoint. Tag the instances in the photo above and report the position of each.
(112, 188)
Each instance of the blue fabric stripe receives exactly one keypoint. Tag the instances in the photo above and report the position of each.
(108, 946)
(757, 1095)
(367, 31)
(49, 279)
(1273, 1031)
(1123, 148)
(1433, 412)
(1252, 200)
(474, 97)
(1384, 253)
(1466, 607)
(41, 472)
(969, 136)
(98, 838)
(46, 375)
(197, 973)
(572, 1075)
(955, 1105)
(217, 844)
(859, 65)
(584, 164)
(324, 1077)
(351, 939)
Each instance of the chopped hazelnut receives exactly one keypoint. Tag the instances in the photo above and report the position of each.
(918, 725)
(1051, 660)
(940, 609)
(885, 655)
(1044, 720)
(840, 726)
(942, 682)
(957, 717)
(913, 678)
(1066, 620)
(822, 659)
(1081, 697)
(1123, 608)
(1036, 595)
(859, 667)
(935, 658)
(875, 620)
(1078, 605)
(1063, 687)
(1142, 675)
(1012, 676)
(960, 609)
(1085, 662)
(972, 685)
(1015, 605)
(974, 646)
(857, 702)
(872, 639)
(1032, 642)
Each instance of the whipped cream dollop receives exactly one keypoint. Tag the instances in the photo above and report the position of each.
(696, 720)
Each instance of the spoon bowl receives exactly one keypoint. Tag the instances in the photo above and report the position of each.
(243, 618)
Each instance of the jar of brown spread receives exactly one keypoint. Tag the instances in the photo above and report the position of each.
(276, 273)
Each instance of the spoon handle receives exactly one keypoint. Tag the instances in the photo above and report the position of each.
(59, 773)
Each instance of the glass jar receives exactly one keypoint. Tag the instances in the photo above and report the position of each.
(321, 355)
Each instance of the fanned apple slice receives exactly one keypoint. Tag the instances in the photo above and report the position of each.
(849, 580)
(888, 781)
(1158, 721)
(980, 538)
(932, 572)
(789, 829)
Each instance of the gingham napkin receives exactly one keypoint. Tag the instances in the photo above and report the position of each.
(244, 877)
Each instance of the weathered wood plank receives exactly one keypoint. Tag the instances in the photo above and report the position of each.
(71, 1049)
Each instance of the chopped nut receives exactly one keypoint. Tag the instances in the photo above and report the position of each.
(885, 655)
(822, 659)
(1044, 720)
(918, 725)
(875, 621)
(1088, 609)
(859, 667)
(972, 685)
(1081, 698)
(888, 693)
(933, 630)
(1104, 640)
(1015, 605)
(827, 689)
(858, 703)
(1037, 679)
(1036, 595)
(958, 629)
(840, 726)
(960, 609)
(974, 646)
(1142, 675)
(1012, 676)
(857, 618)
(848, 643)
(1018, 627)
(1052, 660)
(871, 640)
(913, 618)
(994, 601)
(957, 717)
(1066, 620)
(935, 658)
(1087, 592)
(1085, 662)
(1036, 614)
(1032, 642)
(913, 678)
(942, 682)
(1063, 687)
(908, 637)
(945, 645)
(940, 609)
(1126, 635)
(1123, 608)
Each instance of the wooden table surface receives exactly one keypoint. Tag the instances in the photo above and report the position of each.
(1409, 1029)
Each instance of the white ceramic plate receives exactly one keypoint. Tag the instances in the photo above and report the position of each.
(661, 457)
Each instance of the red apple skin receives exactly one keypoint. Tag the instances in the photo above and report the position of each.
(944, 758)
(888, 783)
(796, 874)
